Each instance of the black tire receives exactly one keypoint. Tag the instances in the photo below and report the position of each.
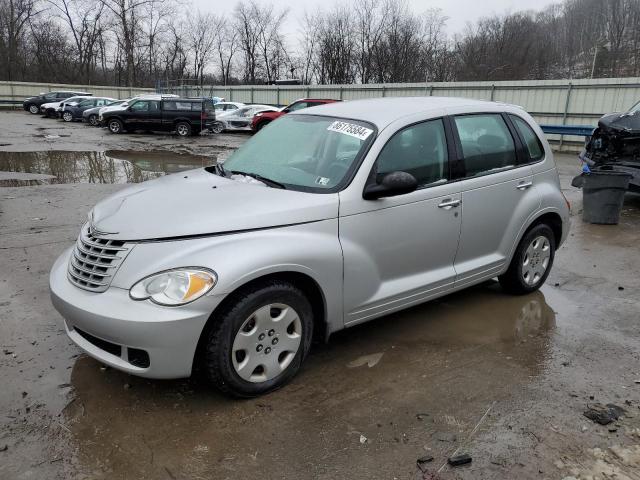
(218, 364)
(261, 125)
(183, 129)
(115, 125)
(67, 116)
(34, 109)
(93, 120)
(513, 280)
(217, 128)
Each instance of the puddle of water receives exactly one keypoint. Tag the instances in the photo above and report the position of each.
(112, 166)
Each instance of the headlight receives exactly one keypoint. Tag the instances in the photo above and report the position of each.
(174, 287)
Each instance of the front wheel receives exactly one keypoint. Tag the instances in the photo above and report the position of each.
(261, 125)
(259, 341)
(33, 109)
(115, 126)
(183, 129)
(67, 116)
(531, 262)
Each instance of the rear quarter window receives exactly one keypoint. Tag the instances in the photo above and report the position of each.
(529, 137)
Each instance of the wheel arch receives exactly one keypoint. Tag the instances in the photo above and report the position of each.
(182, 120)
(549, 217)
(303, 281)
(553, 220)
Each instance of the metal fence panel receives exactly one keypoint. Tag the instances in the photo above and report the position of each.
(562, 101)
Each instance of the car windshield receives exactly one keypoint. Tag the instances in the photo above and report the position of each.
(635, 108)
(304, 152)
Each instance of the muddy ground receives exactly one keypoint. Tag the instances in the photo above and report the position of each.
(505, 379)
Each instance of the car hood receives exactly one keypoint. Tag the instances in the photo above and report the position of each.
(196, 202)
(51, 104)
(115, 108)
(626, 122)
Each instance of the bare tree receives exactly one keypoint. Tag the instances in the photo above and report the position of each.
(201, 36)
(370, 24)
(15, 16)
(226, 45)
(84, 20)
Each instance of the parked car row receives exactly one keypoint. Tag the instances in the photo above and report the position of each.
(156, 112)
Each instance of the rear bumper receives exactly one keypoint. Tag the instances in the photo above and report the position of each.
(169, 335)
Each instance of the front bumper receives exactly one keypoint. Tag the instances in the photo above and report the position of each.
(169, 335)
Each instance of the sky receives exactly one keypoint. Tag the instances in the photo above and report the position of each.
(460, 12)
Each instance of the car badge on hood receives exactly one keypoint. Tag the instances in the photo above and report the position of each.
(96, 232)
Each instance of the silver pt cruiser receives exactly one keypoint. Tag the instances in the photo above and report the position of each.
(327, 218)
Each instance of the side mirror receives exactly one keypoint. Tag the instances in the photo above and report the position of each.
(392, 184)
(286, 110)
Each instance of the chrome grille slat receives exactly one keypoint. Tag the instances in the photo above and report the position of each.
(92, 262)
(102, 246)
(86, 270)
(95, 260)
(103, 255)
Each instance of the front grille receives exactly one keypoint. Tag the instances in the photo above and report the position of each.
(95, 260)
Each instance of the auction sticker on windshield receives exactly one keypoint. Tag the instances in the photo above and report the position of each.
(350, 129)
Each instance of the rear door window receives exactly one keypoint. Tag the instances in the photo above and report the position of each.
(487, 144)
(529, 138)
(420, 150)
(141, 106)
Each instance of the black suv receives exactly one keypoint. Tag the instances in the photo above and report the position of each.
(32, 104)
(185, 116)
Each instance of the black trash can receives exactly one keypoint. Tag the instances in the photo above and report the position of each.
(603, 195)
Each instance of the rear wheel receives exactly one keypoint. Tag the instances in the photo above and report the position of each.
(217, 127)
(33, 109)
(115, 126)
(183, 129)
(93, 120)
(531, 262)
(67, 116)
(259, 341)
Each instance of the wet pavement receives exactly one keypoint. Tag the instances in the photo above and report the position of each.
(505, 379)
(112, 166)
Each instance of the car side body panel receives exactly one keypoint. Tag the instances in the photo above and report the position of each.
(312, 249)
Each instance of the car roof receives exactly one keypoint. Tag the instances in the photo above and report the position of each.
(383, 111)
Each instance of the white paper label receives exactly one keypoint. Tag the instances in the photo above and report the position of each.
(350, 129)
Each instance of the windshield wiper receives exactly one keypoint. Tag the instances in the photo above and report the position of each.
(219, 169)
(268, 181)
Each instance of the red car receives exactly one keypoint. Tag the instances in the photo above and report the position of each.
(263, 118)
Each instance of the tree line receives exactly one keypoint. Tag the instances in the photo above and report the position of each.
(147, 42)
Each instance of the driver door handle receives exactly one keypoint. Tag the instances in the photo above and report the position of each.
(449, 203)
(524, 185)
